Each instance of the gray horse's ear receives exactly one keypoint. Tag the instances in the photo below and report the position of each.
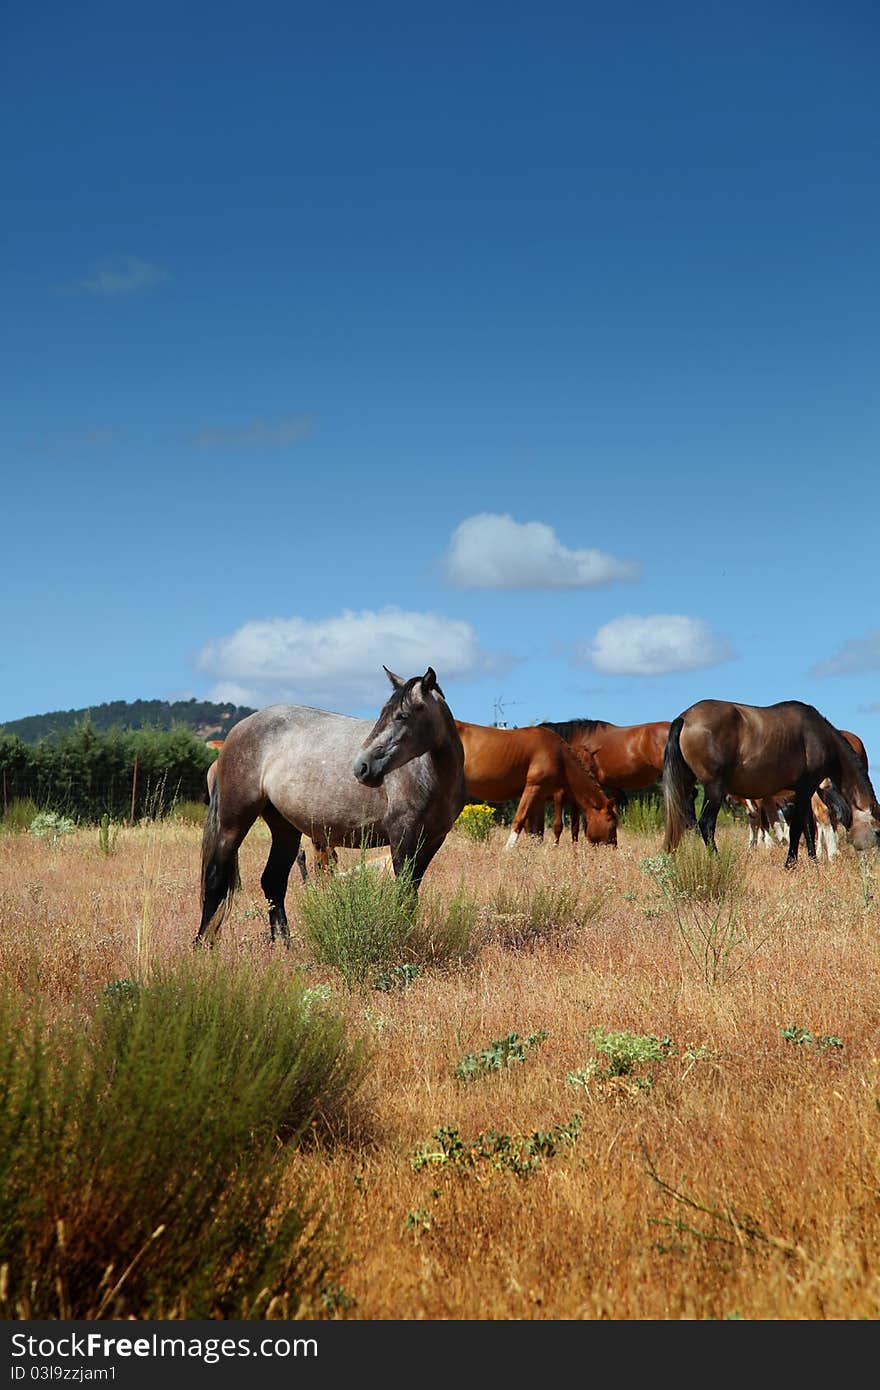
(396, 681)
(429, 680)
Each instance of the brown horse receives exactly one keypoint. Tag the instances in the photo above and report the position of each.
(622, 758)
(342, 781)
(533, 764)
(752, 751)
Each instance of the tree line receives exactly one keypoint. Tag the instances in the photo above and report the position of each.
(210, 719)
(87, 773)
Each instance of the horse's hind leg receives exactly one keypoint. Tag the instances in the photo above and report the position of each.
(220, 847)
(714, 794)
(282, 856)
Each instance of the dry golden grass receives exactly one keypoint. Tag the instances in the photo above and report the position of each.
(745, 1182)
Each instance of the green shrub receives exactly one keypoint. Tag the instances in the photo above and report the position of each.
(140, 1157)
(19, 815)
(795, 1034)
(360, 922)
(51, 826)
(625, 1052)
(498, 1056)
(516, 1153)
(704, 890)
(108, 834)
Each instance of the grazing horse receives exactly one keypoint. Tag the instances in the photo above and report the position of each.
(533, 764)
(752, 751)
(342, 781)
(622, 758)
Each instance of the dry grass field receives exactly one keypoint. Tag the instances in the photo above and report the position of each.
(726, 1158)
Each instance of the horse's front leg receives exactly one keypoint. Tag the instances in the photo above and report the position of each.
(415, 852)
(797, 827)
(282, 856)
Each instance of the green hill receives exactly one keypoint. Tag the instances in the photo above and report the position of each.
(204, 717)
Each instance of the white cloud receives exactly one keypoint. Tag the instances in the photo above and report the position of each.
(256, 434)
(492, 551)
(338, 661)
(125, 276)
(856, 656)
(655, 646)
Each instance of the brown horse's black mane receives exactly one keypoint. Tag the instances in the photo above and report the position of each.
(567, 727)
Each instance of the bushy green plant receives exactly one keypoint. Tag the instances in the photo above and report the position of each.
(108, 834)
(141, 1159)
(802, 1036)
(705, 891)
(516, 1153)
(476, 821)
(625, 1052)
(51, 826)
(498, 1056)
(399, 977)
(360, 922)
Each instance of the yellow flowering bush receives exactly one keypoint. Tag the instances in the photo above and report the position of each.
(476, 820)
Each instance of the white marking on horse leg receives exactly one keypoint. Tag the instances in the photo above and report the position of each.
(511, 840)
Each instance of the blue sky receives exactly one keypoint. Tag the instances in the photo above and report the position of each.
(536, 342)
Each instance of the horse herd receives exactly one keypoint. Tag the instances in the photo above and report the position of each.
(404, 780)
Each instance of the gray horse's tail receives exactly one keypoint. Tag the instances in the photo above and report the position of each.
(678, 787)
(220, 879)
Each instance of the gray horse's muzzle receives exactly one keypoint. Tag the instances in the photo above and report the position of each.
(367, 772)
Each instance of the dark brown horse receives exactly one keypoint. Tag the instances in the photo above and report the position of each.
(622, 758)
(753, 750)
(342, 781)
(533, 764)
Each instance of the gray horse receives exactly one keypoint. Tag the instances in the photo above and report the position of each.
(342, 781)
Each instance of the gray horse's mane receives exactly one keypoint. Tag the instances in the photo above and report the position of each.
(401, 696)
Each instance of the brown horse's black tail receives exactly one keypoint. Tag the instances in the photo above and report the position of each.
(220, 877)
(678, 788)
